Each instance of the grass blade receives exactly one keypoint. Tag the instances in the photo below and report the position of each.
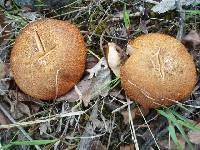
(180, 128)
(33, 142)
(172, 132)
(183, 121)
(126, 17)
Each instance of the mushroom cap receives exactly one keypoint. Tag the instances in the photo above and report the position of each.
(159, 72)
(48, 58)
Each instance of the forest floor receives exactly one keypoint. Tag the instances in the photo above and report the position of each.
(107, 119)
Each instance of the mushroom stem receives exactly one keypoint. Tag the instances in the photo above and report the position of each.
(114, 59)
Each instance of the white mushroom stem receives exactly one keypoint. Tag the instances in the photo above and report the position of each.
(114, 59)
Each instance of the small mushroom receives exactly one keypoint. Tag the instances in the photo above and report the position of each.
(159, 72)
(48, 58)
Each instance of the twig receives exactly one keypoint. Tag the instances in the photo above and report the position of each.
(101, 42)
(46, 119)
(134, 138)
(181, 20)
(160, 131)
(113, 122)
(148, 127)
(122, 107)
(151, 141)
(71, 12)
(100, 21)
(19, 127)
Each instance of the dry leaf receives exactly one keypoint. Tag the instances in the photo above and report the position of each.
(92, 85)
(97, 68)
(166, 5)
(91, 61)
(19, 96)
(135, 113)
(24, 3)
(117, 94)
(22, 97)
(127, 147)
(43, 127)
(192, 38)
(165, 142)
(4, 70)
(114, 59)
(97, 145)
(3, 119)
(17, 108)
(31, 16)
(194, 136)
(4, 86)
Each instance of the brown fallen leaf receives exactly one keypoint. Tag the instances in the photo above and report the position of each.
(171, 145)
(92, 85)
(91, 61)
(127, 147)
(97, 145)
(4, 70)
(192, 38)
(19, 96)
(17, 108)
(3, 119)
(135, 112)
(32, 103)
(194, 136)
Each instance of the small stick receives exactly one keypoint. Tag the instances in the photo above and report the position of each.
(38, 42)
(181, 20)
(6, 113)
(132, 127)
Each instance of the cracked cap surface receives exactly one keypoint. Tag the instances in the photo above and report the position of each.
(159, 72)
(48, 58)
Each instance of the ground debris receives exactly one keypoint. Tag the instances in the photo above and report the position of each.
(89, 132)
(194, 136)
(93, 85)
(127, 147)
(103, 123)
(135, 114)
(97, 145)
(166, 5)
(18, 110)
(3, 119)
(192, 38)
(165, 143)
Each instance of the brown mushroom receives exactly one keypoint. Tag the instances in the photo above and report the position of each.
(48, 58)
(159, 72)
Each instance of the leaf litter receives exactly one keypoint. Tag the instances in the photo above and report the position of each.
(94, 116)
(88, 88)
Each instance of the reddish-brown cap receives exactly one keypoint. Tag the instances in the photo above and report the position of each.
(48, 58)
(159, 72)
